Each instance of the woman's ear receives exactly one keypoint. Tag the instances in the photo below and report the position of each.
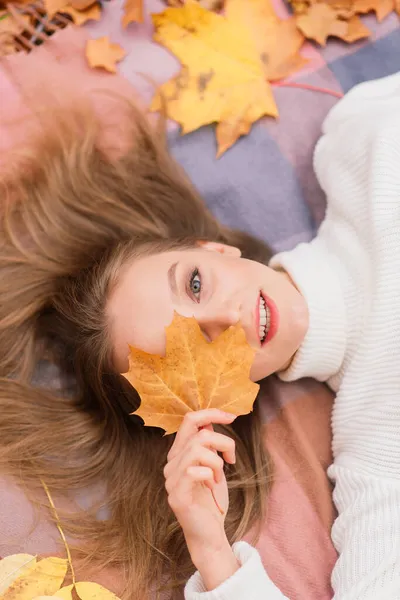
(221, 248)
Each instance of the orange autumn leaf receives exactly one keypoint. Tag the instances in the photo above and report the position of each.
(207, 4)
(382, 8)
(321, 20)
(72, 7)
(194, 374)
(101, 53)
(227, 63)
(79, 17)
(81, 4)
(133, 12)
(54, 6)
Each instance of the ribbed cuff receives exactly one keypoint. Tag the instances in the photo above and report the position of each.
(249, 582)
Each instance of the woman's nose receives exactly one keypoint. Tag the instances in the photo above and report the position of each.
(215, 322)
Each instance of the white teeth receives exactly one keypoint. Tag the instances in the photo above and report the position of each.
(265, 319)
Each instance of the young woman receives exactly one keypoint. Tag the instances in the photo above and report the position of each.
(96, 255)
(78, 202)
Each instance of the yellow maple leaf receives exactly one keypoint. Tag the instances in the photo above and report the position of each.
(102, 53)
(194, 374)
(226, 64)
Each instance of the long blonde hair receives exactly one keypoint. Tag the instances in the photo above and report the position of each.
(72, 213)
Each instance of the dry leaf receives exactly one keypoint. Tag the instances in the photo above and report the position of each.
(81, 4)
(382, 8)
(12, 567)
(278, 41)
(321, 21)
(194, 374)
(54, 6)
(79, 17)
(104, 54)
(225, 65)
(356, 30)
(86, 591)
(26, 581)
(133, 12)
(22, 577)
(215, 5)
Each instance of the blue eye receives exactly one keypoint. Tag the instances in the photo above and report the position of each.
(195, 283)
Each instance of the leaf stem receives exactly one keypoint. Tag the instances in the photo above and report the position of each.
(309, 87)
(216, 502)
(58, 523)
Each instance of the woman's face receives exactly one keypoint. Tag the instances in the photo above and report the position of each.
(219, 288)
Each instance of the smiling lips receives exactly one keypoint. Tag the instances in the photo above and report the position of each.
(267, 318)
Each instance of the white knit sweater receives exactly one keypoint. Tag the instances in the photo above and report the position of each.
(350, 277)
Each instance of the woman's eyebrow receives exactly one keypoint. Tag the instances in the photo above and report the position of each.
(172, 279)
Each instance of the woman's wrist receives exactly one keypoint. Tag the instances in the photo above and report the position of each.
(215, 564)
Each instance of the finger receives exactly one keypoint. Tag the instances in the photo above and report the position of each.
(201, 474)
(179, 497)
(217, 442)
(208, 438)
(196, 456)
(193, 421)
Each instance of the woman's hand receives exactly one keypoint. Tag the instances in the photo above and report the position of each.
(198, 492)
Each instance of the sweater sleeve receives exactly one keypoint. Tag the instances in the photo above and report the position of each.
(250, 581)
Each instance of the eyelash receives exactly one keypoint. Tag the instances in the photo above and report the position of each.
(195, 273)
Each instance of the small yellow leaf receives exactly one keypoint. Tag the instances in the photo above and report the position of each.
(195, 374)
(12, 567)
(86, 591)
(93, 13)
(133, 12)
(104, 54)
(44, 579)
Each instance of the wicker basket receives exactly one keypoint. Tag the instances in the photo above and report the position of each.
(24, 26)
